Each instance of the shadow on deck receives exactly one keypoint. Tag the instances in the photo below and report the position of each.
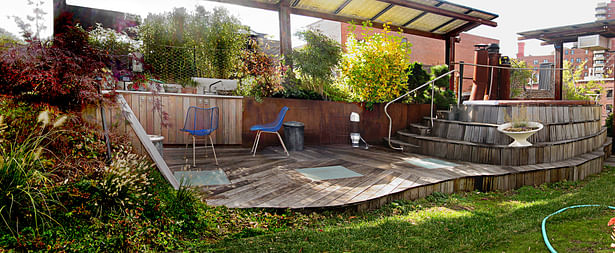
(272, 180)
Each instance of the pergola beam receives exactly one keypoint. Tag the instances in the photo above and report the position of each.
(441, 12)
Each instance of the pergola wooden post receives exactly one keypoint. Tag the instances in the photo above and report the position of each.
(559, 63)
(285, 33)
(449, 59)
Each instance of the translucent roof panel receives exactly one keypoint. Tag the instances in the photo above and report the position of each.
(364, 9)
(398, 15)
(432, 18)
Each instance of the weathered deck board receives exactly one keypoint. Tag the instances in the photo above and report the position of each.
(269, 180)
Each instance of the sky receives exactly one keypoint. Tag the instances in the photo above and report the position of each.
(514, 16)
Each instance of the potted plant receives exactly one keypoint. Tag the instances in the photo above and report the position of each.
(189, 86)
(520, 129)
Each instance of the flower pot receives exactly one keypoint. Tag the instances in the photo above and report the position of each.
(520, 137)
(189, 90)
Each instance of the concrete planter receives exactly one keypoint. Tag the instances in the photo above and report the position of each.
(520, 137)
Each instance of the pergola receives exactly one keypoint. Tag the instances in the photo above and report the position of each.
(428, 18)
(557, 36)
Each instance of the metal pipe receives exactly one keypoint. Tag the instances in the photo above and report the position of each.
(104, 125)
(408, 93)
(501, 67)
(212, 84)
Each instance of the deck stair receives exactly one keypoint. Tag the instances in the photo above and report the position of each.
(470, 134)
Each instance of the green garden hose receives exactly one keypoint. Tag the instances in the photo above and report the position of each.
(544, 222)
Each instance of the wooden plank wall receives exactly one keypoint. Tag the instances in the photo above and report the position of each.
(328, 122)
(176, 105)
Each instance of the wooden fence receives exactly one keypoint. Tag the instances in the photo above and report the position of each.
(325, 122)
(328, 122)
(176, 105)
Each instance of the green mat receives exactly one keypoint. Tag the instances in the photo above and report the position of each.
(430, 163)
(330, 172)
(202, 178)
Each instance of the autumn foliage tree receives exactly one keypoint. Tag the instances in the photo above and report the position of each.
(376, 67)
(60, 72)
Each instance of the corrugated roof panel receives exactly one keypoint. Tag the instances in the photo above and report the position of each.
(364, 9)
(429, 22)
(398, 15)
(451, 26)
(321, 6)
(454, 8)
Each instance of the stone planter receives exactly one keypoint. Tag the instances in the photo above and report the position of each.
(157, 141)
(520, 137)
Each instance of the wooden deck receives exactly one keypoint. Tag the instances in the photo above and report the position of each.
(270, 179)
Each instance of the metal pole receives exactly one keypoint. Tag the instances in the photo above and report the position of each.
(105, 129)
(460, 84)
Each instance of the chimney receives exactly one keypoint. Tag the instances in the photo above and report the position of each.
(520, 49)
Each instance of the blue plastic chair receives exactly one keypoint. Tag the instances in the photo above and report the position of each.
(271, 128)
(201, 122)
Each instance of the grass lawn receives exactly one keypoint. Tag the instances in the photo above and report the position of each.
(469, 222)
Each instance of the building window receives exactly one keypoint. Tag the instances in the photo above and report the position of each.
(586, 51)
(545, 61)
(585, 66)
(609, 93)
(609, 109)
(571, 51)
(566, 52)
(585, 58)
(578, 60)
(535, 62)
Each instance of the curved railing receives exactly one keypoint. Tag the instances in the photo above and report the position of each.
(408, 93)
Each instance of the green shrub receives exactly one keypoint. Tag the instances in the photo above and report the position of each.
(123, 183)
(376, 67)
(575, 90)
(181, 44)
(27, 190)
(316, 61)
(261, 75)
(417, 76)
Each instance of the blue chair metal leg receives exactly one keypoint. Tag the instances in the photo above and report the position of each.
(212, 148)
(258, 138)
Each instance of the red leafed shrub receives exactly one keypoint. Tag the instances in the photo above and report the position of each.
(264, 69)
(60, 72)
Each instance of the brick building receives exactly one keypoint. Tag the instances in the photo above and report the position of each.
(599, 63)
(428, 51)
(574, 55)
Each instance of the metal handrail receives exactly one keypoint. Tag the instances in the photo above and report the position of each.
(408, 93)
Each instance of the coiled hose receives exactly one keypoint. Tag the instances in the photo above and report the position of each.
(544, 222)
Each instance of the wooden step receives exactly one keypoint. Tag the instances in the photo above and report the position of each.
(502, 155)
(419, 129)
